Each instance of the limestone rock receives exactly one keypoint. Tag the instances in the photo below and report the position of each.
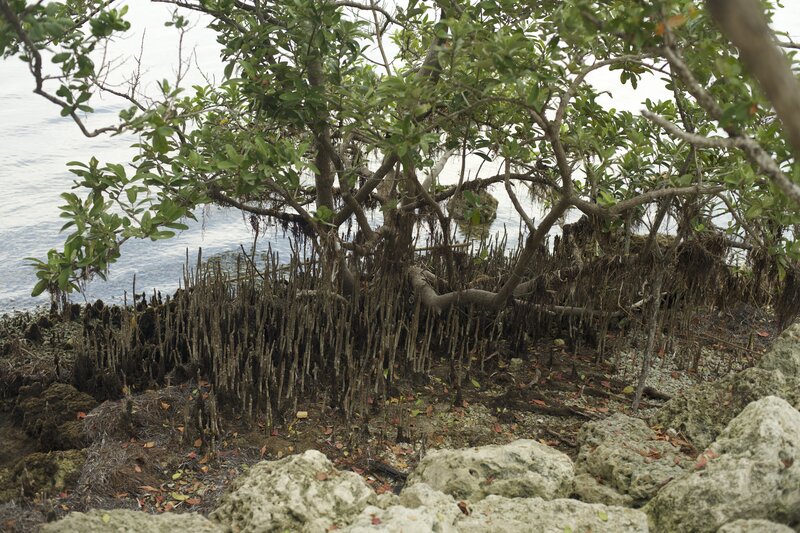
(754, 526)
(752, 471)
(703, 412)
(422, 494)
(534, 515)
(298, 493)
(785, 353)
(523, 468)
(399, 519)
(587, 489)
(125, 521)
(626, 455)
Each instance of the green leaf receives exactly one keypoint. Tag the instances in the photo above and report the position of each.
(40, 287)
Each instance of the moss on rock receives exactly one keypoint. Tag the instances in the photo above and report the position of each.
(41, 474)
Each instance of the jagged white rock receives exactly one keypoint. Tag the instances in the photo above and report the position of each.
(298, 493)
(754, 526)
(704, 411)
(752, 471)
(523, 468)
(626, 455)
(126, 521)
(535, 515)
(785, 353)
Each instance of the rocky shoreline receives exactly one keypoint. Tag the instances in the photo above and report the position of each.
(725, 456)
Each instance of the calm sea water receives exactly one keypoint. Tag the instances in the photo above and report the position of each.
(36, 143)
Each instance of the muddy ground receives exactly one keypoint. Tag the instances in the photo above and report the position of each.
(64, 450)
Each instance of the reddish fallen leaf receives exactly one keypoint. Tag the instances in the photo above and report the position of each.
(375, 520)
(606, 384)
(383, 489)
(121, 495)
(193, 501)
(81, 415)
(137, 469)
(198, 443)
(328, 430)
(274, 432)
(148, 488)
(497, 428)
(701, 463)
(763, 334)
(601, 409)
(703, 459)
(192, 455)
(539, 402)
(464, 508)
(321, 476)
(150, 444)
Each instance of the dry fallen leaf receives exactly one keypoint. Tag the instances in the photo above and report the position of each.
(464, 508)
(198, 443)
(164, 405)
(150, 444)
(302, 415)
(321, 476)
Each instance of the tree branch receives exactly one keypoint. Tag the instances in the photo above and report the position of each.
(36, 70)
(754, 152)
(743, 22)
